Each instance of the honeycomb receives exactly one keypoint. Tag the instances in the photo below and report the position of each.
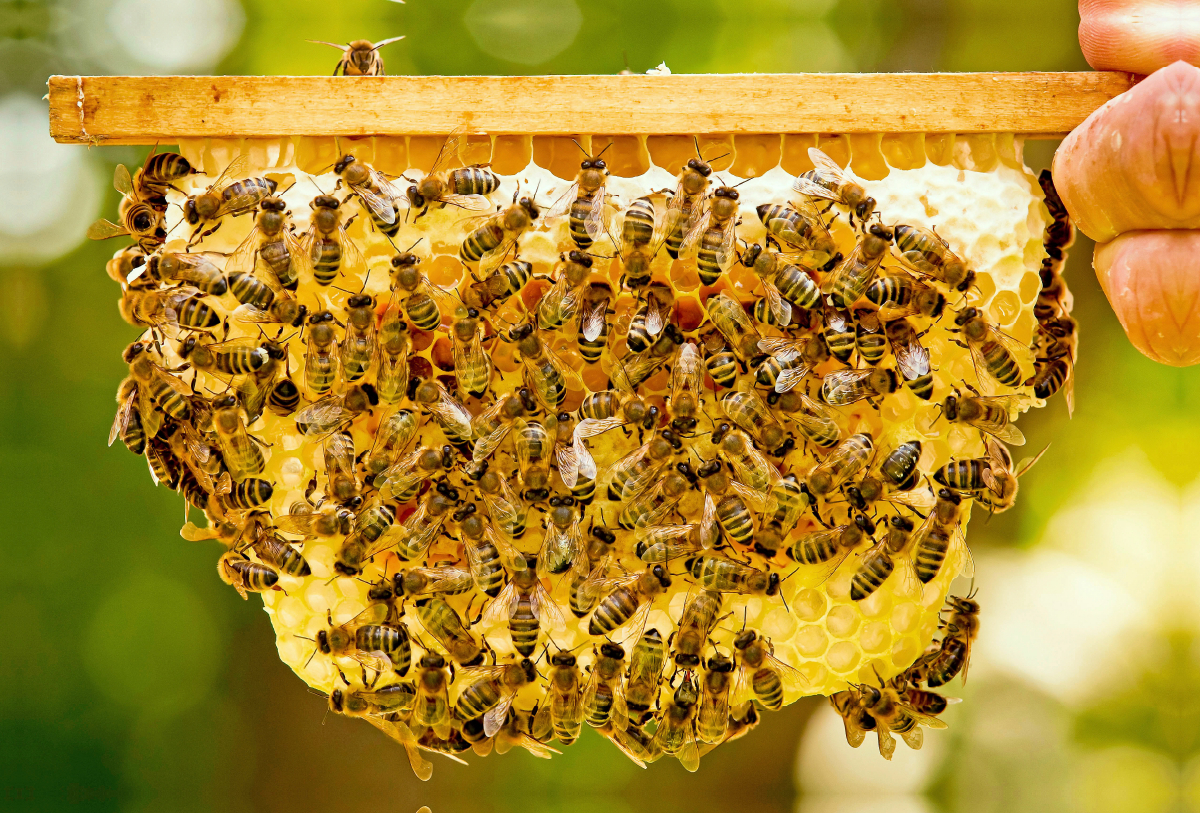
(822, 639)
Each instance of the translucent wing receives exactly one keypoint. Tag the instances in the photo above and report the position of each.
(501, 608)
(726, 254)
(788, 379)
(494, 719)
(449, 411)
(842, 383)
(103, 229)
(234, 168)
(594, 223)
(696, 230)
(449, 150)
(123, 417)
(562, 204)
(324, 416)
(806, 186)
(121, 180)
(911, 357)
(783, 349)
(546, 609)
(379, 206)
(593, 319)
(567, 458)
(823, 163)
(781, 309)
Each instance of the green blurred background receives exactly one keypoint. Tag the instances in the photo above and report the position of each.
(131, 678)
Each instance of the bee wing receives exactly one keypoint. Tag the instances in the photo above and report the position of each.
(927, 720)
(791, 677)
(379, 206)
(687, 374)
(371, 614)
(399, 732)
(695, 230)
(449, 150)
(300, 524)
(567, 458)
(781, 309)
(318, 418)
(806, 186)
(562, 545)
(619, 738)
(887, 743)
(1009, 433)
(452, 412)
(569, 374)
(492, 259)
(911, 357)
(823, 163)
(782, 348)
(490, 442)
(121, 180)
(753, 468)
(244, 259)
(726, 254)
(104, 229)
(755, 500)
(237, 166)
(594, 223)
(710, 531)
(841, 382)
(503, 606)
(562, 203)
(494, 719)
(123, 417)
(546, 609)
(921, 499)
(353, 260)
(635, 485)
(790, 378)
(1027, 463)
(592, 320)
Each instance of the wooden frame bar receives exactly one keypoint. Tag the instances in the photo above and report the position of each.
(164, 109)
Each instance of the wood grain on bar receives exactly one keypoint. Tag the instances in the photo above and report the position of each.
(153, 109)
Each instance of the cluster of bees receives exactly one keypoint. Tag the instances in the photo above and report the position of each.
(571, 497)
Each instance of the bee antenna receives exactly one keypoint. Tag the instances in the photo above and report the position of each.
(581, 149)
(606, 146)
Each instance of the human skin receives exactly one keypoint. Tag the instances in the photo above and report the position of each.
(1139, 36)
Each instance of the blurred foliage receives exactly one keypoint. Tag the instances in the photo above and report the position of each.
(95, 573)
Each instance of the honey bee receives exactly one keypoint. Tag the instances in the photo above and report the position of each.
(422, 300)
(360, 57)
(157, 174)
(140, 219)
(712, 236)
(1000, 477)
(441, 621)
(1052, 374)
(502, 283)
(431, 708)
(635, 472)
(370, 524)
(159, 393)
(165, 468)
(225, 196)
(392, 437)
(487, 552)
(335, 412)
(954, 655)
(816, 422)
(326, 247)
(846, 460)
(504, 507)
(626, 597)
(592, 335)
(562, 302)
(342, 640)
(838, 334)
(583, 202)
(629, 373)
(642, 231)
(713, 572)
(988, 415)
(646, 661)
(247, 495)
(402, 478)
(686, 205)
(651, 316)
(452, 416)
(604, 695)
(848, 704)
(925, 252)
(632, 742)
(598, 550)
(566, 699)
(196, 269)
(829, 548)
(464, 187)
(676, 733)
(685, 401)
(845, 387)
(829, 181)
(393, 342)
(891, 713)
(492, 692)
(412, 538)
(899, 468)
(750, 413)
(716, 682)
(912, 359)
(1060, 233)
(789, 361)
(761, 676)
(342, 483)
(357, 349)
(179, 308)
(992, 351)
(241, 454)
(127, 425)
(378, 196)
(931, 542)
(899, 295)
(869, 339)
(330, 520)
(695, 625)
(489, 243)
(244, 575)
(545, 373)
(562, 546)
(526, 607)
(785, 283)
(729, 317)
(719, 361)
(851, 278)
(321, 358)
(879, 562)
(800, 228)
